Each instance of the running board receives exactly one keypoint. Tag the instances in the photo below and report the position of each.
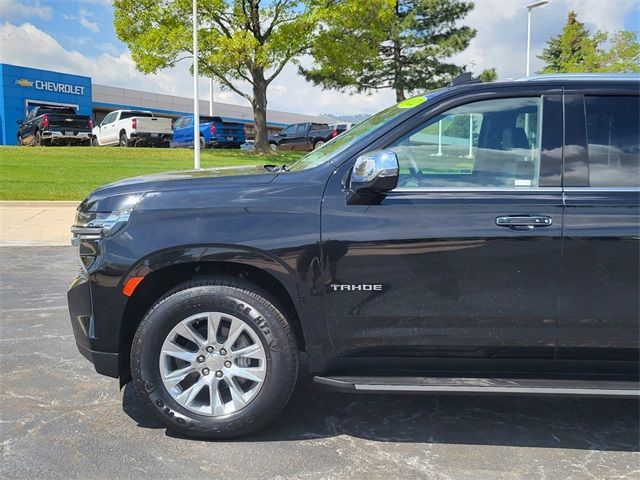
(493, 386)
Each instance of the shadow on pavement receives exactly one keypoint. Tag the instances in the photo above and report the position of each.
(574, 423)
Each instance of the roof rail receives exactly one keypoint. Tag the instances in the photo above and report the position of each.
(580, 76)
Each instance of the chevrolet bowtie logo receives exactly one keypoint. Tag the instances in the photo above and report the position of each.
(23, 82)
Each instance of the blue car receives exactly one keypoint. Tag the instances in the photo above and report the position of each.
(214, 133)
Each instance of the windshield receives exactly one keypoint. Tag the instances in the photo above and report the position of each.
(342, 141)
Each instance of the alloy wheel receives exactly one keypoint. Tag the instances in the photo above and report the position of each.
(213, 363)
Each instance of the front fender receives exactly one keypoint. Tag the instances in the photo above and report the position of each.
(240, 255)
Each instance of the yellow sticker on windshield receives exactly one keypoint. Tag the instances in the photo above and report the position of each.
(412, 102)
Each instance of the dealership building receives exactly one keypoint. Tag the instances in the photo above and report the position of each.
(23, 88)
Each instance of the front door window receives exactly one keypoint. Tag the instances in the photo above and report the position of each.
(486, 144)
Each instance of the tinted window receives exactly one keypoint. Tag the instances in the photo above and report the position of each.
(60, 110)
(288, 130)
(301, 130)
(492, 143)
(613, 135)
(124, 115)
(318, 126)
(204, 119)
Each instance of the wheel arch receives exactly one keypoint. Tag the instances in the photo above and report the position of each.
(164, 271)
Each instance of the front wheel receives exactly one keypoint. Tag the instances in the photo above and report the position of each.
(94, 142)
(203, 144)
(215, 359)
(273, 147)
(38, 139)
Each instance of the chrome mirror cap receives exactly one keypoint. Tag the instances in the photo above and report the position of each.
(375, 172)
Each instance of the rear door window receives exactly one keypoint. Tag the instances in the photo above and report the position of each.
(613, 138)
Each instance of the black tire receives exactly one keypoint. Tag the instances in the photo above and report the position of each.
(246, 302)
(94, 142)
(37, 139)
(124, 141)
(20, 141)
(318, 144)
(273, 147)
(203, 145)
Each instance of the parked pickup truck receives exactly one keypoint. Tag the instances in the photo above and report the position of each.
(303, 136)
(130, 128)
(214, 133)
(54, 125)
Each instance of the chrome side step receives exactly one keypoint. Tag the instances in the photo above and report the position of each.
(492, 386)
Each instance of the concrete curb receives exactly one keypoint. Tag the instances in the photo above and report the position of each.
(38, 203)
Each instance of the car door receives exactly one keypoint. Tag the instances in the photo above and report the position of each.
(108, 129)
(179, 132)
(300, 140)
(27, 127)
(461, 260)
(286, 138)
(186, 132)
(599, 314)
(102, 139)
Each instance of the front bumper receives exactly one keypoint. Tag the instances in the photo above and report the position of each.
(82, 323)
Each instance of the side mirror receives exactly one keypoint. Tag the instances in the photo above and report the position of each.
(282, 134)
(375, 172)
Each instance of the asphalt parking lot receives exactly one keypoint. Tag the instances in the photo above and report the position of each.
(59, 419)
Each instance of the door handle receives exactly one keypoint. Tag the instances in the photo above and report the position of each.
(524, 222)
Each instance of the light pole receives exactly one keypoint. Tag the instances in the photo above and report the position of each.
(196, 99)
(530, 7)
(211, 97)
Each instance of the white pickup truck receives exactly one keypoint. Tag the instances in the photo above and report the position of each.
(132, 128)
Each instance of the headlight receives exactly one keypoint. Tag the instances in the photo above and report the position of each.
(91, 225)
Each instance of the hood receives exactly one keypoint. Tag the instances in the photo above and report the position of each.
(187, 179)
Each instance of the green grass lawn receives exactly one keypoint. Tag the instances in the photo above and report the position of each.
(69, 173)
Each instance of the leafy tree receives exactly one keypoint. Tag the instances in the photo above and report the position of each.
(488, 75)
(239, 41)
(400, 44)
(576, 50)
(623, 55)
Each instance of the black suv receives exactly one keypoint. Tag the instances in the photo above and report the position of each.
(482, 238)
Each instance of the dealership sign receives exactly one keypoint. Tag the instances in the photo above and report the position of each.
(52, 86)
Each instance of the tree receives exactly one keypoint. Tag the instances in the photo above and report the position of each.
(488, 75)
(240, 41)
(576, 50)
(566, 47)
(404, 45)
(623, 55)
